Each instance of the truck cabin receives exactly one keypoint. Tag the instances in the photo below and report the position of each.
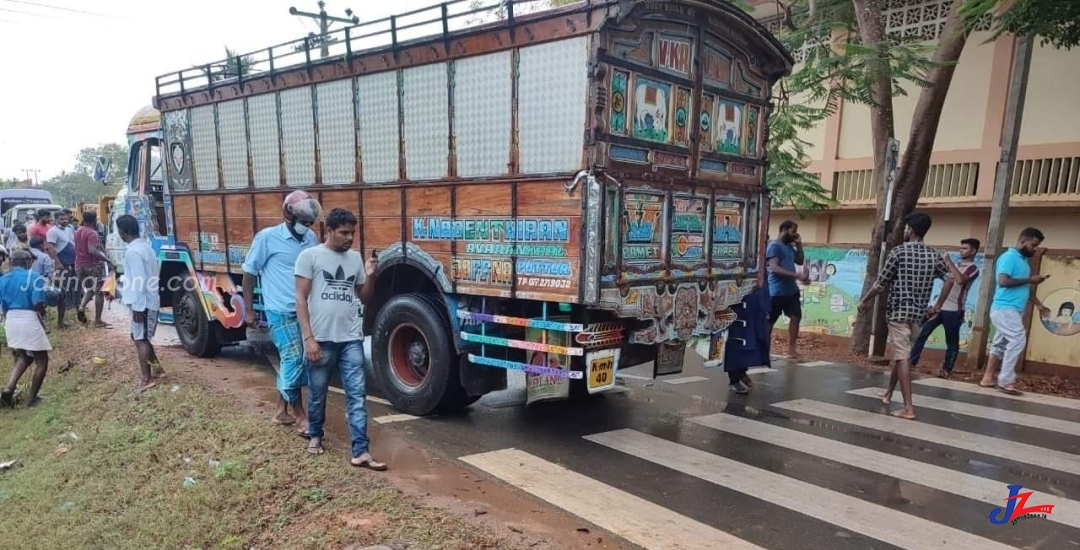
(145, 182)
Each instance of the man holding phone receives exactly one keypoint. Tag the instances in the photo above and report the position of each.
(332, 280)
(782, 255)
(1014, 282)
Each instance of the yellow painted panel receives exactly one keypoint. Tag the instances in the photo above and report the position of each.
(1056, 339)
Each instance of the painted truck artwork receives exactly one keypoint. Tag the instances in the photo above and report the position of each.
(520, 187)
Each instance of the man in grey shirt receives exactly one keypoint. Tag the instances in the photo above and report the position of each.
(331, 281)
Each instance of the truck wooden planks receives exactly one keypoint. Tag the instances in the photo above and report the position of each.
(568, 188)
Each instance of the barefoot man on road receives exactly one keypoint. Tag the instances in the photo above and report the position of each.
(783, 253)
(908, 277)
(272, 259)
(22, 298)
(141, 293)
(1014, 285)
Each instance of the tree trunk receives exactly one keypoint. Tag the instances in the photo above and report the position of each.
(882, 129)
(915, 163)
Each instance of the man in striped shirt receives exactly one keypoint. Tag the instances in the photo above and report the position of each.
(950, 309)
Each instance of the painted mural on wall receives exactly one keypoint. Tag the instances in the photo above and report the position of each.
(831, 296)
(1056, 339)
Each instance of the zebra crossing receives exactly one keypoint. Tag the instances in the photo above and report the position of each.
(808, 473)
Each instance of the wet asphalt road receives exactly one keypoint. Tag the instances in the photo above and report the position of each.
(799, 463)
(854, 479)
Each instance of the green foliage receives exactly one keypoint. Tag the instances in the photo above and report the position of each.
(78, 185)
(235, 65)
(1057, 22)
(838, 67)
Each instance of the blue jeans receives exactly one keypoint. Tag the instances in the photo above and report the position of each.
(349, 358)
(951, 320)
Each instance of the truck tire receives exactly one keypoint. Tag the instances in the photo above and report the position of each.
(195, 331)
(415, 363)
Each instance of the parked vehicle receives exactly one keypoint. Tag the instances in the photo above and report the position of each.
(567, 192)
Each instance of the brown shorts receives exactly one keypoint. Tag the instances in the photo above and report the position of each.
(91, 277)
(901, 337)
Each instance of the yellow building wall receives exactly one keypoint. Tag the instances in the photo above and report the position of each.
(1052, 108)
(1062, 229)
(852, 228)
(961, 124)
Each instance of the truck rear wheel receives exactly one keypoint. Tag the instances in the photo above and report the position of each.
(196, 332)
(415, 362)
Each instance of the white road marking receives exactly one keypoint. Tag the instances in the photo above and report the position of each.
(759, 370)
(631, 376)
(1054, 401)
(979, 411)
(685, 380)
(869, 519)
(1001, 448)
(1066, 511)
(389, 418)
(816, 364)
(635, 519)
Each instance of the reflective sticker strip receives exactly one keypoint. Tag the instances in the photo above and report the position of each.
(519, 321)
(520, 344)
(534, 369)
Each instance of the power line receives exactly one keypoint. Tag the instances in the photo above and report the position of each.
(61, 8)
(29, 13)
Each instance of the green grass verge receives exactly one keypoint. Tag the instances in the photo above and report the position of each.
(120, 484)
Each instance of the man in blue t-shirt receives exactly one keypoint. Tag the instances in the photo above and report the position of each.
(782, 254)
(1014, 282)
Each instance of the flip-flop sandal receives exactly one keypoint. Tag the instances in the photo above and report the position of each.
(7, 399)
(105, 326)
(304, 435)
(81, 316)
(315, 448)
(370, 464)
(981, 385)
(275, 420)
(1009, 390)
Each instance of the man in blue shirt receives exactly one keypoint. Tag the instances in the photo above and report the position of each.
(782, 254)
(1014, 282)
(272, 258)
(22, 298)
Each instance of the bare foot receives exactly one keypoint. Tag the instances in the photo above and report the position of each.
(283, 419)
(905, 414)
(144, 386)
(315, 446)
(302, 429)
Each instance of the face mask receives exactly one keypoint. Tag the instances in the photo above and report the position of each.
(300, 229)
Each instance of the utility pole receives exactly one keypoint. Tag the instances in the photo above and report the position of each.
(324, 21)
(29, 171)
(999, 209)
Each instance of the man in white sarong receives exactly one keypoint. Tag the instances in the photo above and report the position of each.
(22, 298)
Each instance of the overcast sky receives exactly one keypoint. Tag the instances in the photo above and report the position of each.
(73, 80)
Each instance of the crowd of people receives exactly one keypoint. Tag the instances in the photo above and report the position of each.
(906, 281)
(312, 296)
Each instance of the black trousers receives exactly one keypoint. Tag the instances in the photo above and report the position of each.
(736, 375)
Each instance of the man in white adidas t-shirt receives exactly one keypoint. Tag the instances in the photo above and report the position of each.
(948, 310)
(331, 281)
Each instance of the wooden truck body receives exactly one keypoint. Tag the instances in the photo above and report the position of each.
(565, 192)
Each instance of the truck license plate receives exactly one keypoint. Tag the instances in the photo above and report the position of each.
(669, 358)
(601, 369)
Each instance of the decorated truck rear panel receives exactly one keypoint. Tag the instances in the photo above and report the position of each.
(566, 192)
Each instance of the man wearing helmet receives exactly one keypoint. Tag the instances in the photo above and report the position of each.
(272, 259)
